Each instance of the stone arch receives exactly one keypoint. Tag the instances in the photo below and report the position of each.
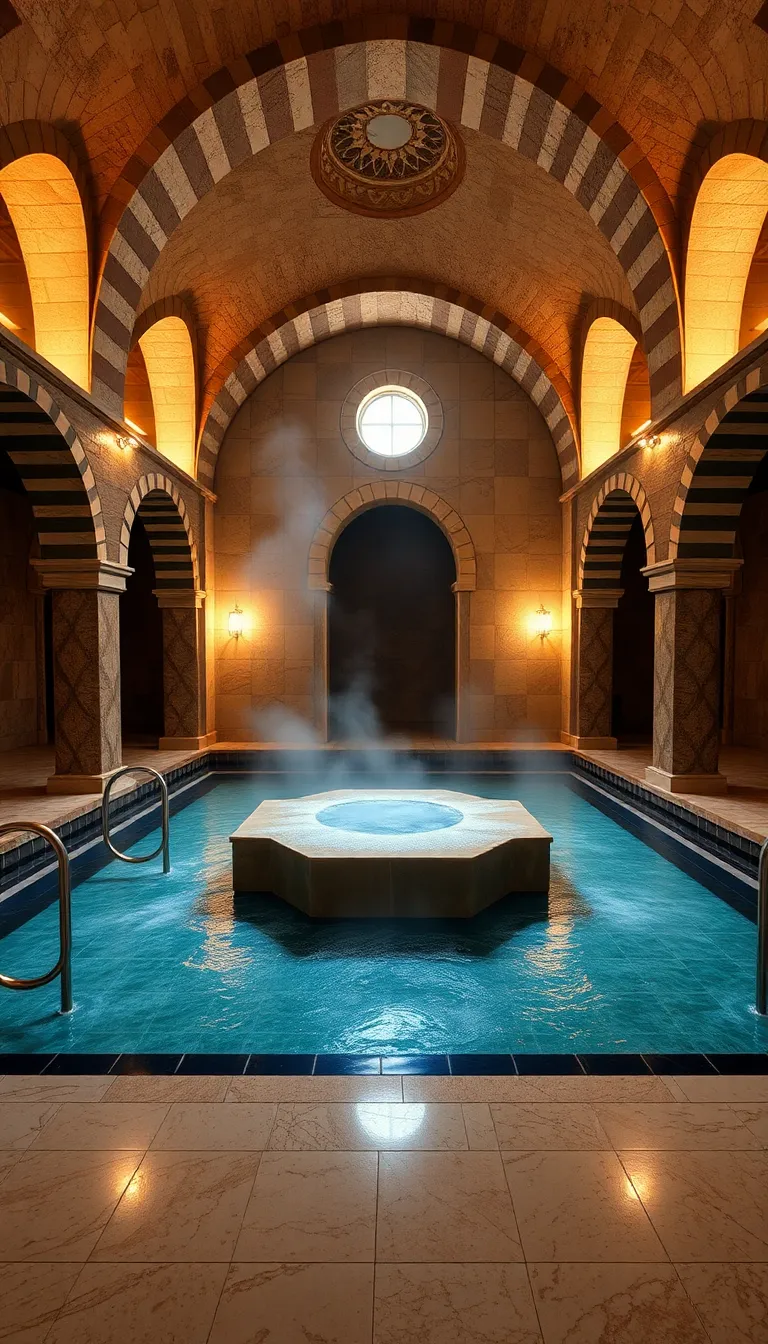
(61, 485)
(611, 516)
(719, 470)
(472, 78)
(610, 337)
(392, 492)
(380, 302)
(163, 512)
(165, 334)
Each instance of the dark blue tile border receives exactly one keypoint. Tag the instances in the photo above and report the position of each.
(460, 1066)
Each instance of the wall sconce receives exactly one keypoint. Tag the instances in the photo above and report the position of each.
(137, 428)
(542, 622)
(235, 623)
(648, 440)
(125, 442)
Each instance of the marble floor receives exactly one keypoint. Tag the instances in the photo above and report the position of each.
(384, 1210)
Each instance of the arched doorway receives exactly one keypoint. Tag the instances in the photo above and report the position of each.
(26, 692)
(141, 647)
(633, 641)
(392, 626)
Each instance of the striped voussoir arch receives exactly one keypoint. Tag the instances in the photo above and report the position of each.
(719, 471)
(51, 462)
(392, 492)
(157, 502)
(614, 510)
(467, 77)
(350, 308)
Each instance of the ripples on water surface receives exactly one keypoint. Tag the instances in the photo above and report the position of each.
(631, 954)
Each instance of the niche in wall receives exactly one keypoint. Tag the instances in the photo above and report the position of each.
(633, 644)
(392, 626)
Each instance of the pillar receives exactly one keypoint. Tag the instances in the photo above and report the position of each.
(86, 670)
(321, 591)
(686, 708)
(592, 695)
(463, 710)
(184, 699)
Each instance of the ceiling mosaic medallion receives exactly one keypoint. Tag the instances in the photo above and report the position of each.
(387, 158)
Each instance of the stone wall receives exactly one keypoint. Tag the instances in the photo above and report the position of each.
(283, 463)
(19, 695)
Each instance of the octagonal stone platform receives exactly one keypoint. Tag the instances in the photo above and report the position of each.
(390, 852)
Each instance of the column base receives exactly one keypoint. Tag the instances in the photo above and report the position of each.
(686, 783)
(187, 743)
(78, 783)
(588, 743)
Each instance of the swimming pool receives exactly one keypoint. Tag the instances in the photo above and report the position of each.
(632, 955)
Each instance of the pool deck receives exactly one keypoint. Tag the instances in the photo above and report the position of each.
(744, 809)
(386, 1208)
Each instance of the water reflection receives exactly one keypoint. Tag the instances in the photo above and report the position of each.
(389, 1125)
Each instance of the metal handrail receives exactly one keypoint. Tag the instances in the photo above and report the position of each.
(165, 844)
(63, 966)
(761, 998)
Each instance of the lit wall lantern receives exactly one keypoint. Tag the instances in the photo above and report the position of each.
(542, 622)
(125, 442)
(647, 440)
(235, 624)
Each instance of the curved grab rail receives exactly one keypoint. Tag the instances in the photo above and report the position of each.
(63, 966)
(164, 847)
(761, 998)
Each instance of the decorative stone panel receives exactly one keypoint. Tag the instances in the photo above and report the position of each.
(182, 701)
(686, 723)
(86, 679)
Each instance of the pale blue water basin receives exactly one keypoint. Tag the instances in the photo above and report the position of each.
(631, 955)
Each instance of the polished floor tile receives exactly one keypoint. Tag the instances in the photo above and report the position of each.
(368, 1124)
(454, 1304)
(140, 1304)
(328, 1087)
(30, 1298)
(662, 1128)
(295, 1304)
(578, 1206)
(200, 1126)
(755, 1118)
(8, 1158)
(478, 1122)
(445, 1207)
(22, 1122)
(177, 1087)
(568, 1088)
(53, 1206)
(311, 1206)
(732, 1300)
(50, 1088)
(705, 1206)
(725, 1088)
(91, 1125)
(547, 1126)
(181, 1206)
(613, 1304)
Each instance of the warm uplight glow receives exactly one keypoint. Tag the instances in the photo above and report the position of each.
(167, 351)
(236, 623)
(635, 432)
(6, 322)
(607, 356)
(125, 442)
(728, 216)
(541, 622)
(761, 326)
(46, 211)
(138, 428)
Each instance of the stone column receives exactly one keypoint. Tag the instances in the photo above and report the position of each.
(86, 670)
(593, 676)
(321, 591)
(686, 708)
(463, 712)
(184, 718)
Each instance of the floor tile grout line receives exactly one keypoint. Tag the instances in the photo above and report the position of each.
(375, 1247)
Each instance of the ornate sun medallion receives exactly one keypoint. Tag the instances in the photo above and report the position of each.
(387, 157)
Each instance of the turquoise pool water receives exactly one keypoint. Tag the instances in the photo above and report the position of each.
(632, 955)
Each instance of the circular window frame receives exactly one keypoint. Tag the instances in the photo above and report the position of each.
(387, 380)
(405, 394)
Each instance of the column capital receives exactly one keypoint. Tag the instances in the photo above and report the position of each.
(103, 576)
(597, 597)
(178, 599)
(694, 573)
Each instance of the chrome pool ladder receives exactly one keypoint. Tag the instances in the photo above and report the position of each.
(63, 967)
(164, 847)
(761, 999)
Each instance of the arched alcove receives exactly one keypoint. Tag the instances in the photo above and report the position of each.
(392, 626)
(169, 361)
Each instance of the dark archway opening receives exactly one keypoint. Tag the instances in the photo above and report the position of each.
(392, 626)
(24, 650)
(141, 647)
(745, 682)
(633, 646)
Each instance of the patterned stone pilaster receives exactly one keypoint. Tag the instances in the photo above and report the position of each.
(686, 711)
(86, 688)
(183, 671)
(593, 681)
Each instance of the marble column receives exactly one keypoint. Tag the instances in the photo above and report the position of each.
(86, 670)
(184, 702)
(592, 704)
(687, 658)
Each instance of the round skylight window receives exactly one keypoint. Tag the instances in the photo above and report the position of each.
(392, 421)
